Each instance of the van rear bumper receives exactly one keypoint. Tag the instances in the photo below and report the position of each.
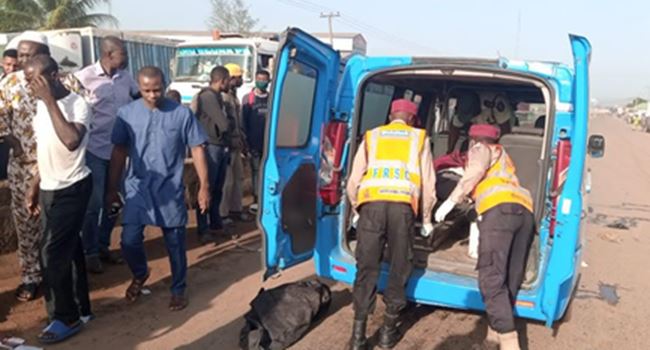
(432, 288)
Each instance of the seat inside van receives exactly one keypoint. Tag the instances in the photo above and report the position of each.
(525, 150)
(435, 94)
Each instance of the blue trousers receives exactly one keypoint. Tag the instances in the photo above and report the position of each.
(134, 254)
(97, 227)
(218, 159)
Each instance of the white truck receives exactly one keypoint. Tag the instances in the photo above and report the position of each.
(199, 53)
(195, 59)
(76, 48)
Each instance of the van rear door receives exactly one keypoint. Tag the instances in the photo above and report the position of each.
(306, 79)
(564, 262)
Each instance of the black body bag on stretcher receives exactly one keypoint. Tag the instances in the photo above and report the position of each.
(457, 221)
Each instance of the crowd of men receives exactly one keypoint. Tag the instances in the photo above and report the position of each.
(93, 144)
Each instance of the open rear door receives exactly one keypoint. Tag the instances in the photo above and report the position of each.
(306, 79)
(564, 263)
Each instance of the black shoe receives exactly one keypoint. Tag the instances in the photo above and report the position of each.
(227, 221)
(94, 264)
(241, 217)
(207, 238)
(358, 340)
(389, 334)
(110, 258)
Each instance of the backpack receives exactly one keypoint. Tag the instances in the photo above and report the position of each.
(281, 316)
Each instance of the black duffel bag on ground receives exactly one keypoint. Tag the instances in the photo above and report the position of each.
(281, 316)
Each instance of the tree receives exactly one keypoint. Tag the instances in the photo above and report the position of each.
(20, 15)
(232, 16)
(637, 101)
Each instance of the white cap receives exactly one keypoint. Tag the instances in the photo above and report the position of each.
(13, 43)
(34, 37)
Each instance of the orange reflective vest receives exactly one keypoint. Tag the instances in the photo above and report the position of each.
(500, 185)
(393, 170)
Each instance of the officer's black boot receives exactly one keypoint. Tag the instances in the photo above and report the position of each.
(389, 335)
(358, 340)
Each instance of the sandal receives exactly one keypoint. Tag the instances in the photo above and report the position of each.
(58, 331)
(177, 303)
(26, 292)
(135, 288)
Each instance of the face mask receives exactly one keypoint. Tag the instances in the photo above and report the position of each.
(262, 85)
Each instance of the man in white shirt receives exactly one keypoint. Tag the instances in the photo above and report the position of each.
(61, 191)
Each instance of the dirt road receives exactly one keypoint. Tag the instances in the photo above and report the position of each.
(223, 279)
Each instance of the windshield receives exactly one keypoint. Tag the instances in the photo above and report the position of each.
(195, 63)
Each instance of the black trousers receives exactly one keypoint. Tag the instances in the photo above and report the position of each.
(62, 258)
(381, 223)
(506, 234)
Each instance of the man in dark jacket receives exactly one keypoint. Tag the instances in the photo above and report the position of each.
(210, 110)
(254, 112)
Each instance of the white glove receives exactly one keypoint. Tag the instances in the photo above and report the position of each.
(355, 220)
(442, 212)
(472, 249)
(426, 230)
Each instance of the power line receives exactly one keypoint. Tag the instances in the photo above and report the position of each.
(300, 6)
(357, 24)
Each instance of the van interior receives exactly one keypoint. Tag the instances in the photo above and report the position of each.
(519, 100)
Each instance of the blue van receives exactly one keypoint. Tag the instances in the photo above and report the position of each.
(320, 107)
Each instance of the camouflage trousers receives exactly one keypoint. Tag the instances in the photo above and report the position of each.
(28, 228)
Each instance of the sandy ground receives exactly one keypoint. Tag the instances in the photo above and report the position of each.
(223, 279)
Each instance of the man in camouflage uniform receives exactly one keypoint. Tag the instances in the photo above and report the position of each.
(17, 109)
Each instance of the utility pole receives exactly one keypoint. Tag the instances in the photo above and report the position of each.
(329, 16)
(518, 38)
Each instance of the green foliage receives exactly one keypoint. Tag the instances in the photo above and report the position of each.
(637, 101)
(20, 15)
(232, 16)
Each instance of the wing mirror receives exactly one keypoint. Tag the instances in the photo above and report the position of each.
(596, 146)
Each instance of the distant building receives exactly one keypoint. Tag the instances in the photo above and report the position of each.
(346, 43)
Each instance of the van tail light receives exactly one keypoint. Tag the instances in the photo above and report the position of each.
(562, 159)
(331, 154)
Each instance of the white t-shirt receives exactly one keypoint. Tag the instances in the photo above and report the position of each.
(59, 167)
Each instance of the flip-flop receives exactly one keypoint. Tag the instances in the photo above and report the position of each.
(58, 331)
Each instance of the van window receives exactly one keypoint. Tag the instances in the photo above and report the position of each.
(528, 114)
(265, 61)
(376, 103)
(296, 106)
